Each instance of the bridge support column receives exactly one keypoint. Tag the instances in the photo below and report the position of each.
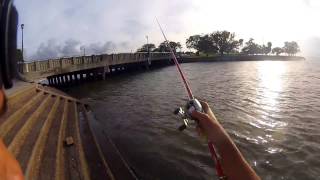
(88, 76)
(62, 80)
(106, 70)
(81, 77)
(59, 80)
(66, 80)
(70, 81)
(53, 81)
(49, 81)
(74, 78)
(94, 75)
(56, 81)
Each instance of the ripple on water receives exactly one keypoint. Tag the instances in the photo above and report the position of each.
(270, 109)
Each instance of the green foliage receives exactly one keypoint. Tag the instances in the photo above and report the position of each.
(164, 48)
(277, 51)
(291, 48)
(224, 41)
(146, 48)
(267, 49)
(206, 46)
(218, 41)
(252, 48)
(193, 42)
(19, 55)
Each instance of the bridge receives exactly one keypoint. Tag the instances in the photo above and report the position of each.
(73, 70)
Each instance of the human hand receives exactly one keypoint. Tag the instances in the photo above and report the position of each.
(206, 119)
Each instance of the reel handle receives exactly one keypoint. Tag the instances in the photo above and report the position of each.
(192, 105)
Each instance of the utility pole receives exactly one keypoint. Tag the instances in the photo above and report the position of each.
(22, 26)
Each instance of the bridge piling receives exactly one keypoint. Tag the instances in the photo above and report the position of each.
(62, 81)
(81, 77)
(50, 80)
(56, 82)
(75, 78)
(68, 78)
(59, 81)
(53, 81)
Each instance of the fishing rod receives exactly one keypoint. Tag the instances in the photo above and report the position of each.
(192, 105)
(184, 80)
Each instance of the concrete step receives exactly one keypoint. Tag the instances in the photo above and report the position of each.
(8, 120)
(37, 155)
(50, 135)
(29, 126)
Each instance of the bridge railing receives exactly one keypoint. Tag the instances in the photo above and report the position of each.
(88, 61)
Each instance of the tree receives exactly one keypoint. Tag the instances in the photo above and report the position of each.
(19, 55)
(240, 42)
(174, 45)
(206, 46)
(202, 44)
(277, 51)
(193, 42)
(224, 41)
(146, 48)
(267, 49)
(291, 48)
(252, 48)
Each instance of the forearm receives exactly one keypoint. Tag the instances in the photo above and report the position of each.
(232, 161)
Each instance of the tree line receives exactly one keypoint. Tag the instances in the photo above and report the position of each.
(161, 48)
(224, 42)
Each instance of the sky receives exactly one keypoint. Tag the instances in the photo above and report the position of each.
(55, 28)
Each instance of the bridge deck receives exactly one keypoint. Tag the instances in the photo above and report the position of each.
(50, 134)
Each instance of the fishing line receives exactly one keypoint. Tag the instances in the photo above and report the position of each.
(184, 80)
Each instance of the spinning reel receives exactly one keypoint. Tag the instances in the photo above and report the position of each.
(185, 113)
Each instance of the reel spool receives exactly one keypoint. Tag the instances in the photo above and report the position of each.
(185, 114)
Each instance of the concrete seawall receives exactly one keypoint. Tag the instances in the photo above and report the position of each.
(241, 58)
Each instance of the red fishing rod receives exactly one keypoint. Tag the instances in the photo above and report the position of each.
(193, 104)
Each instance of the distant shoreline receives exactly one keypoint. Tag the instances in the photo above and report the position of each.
(240, 58)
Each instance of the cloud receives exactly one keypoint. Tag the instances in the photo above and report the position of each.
(100, 48)
(52, 23)
(71, 47)
(307, 2)
(47, 50)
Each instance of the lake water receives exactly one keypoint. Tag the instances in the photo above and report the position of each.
(271, 109)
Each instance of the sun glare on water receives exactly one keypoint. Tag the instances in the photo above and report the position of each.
(270, 75)
(270, 85)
